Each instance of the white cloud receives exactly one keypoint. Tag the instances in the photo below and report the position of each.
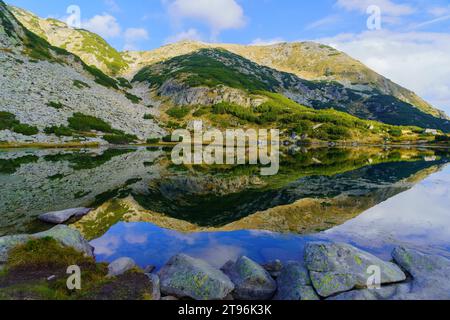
(133, 36)
(266, 42)
(417, 60)
(104, 25)
(439, 11)
(387, 7)
(323, 22)
(112, 5)
(219, 15)
(191, 34)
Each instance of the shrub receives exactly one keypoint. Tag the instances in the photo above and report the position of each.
(8, 121)
(120, 138)
(395, 132)
(124, 83)
(149, 116)
(25, 129)
(133, 98)
(56, 105)
(178, 112)
(60, 131)
(82, 122)
(80, 84)
(153, 140)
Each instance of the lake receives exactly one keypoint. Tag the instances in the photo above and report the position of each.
(149, 209)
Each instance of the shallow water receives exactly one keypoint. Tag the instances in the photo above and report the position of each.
(374, 198)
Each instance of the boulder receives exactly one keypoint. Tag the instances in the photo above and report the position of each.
(169, 298)
(156, 286)
(186, 277)
(336, 268)
(273, 267)
(58, 217)
(252, 282)
(120, 266)
(431, 274)
(63, 234)
(390, 292)
(294, 283)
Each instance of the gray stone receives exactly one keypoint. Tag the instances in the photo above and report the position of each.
(431, 274)
(120, 266)
(156, 286)
(251, 280)
(184, 276)
(294, 283)
(336, 268)
(63, 234)
(391, 292)
(274, 268)
(149, 269)
(169, 298)
(58, 217)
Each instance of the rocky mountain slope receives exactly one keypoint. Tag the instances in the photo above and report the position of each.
(307, 60)
(50, 95)
(211, 76)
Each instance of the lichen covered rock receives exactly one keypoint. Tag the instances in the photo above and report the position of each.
(184, 276)
(294, 283)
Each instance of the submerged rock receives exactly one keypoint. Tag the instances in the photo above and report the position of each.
(63, 234)
(251, 280)
(184, 276)
(58, 217)
(431, 274)
(336, 268)
(120, 266)
(294, 283)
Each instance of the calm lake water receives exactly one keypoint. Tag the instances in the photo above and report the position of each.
(372, 197)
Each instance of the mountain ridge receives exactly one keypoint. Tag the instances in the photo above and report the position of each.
(308, 60)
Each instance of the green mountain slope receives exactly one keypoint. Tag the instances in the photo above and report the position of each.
(202, 76)
(307, 60)
(90, 47)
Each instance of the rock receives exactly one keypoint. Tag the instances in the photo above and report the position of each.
(336, 268)
(273, 267)
(169, 298)
(294, 283)
(63, 234)
(51, 278)
(184, 276)
(430, 274)
(149, 269)
(68, 237)
(391, 292)
(156, 286)
(120, 266)
(251, 280)
(58, 217)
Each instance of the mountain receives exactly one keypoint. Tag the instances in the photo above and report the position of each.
(211, 76)
(49, 95)
(90, 47)
(307, 60)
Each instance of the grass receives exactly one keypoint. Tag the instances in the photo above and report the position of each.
(149, 116)
(80, 84)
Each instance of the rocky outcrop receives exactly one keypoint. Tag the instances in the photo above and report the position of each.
(156, 286)
(251, 281)
(336, 268)
(294, 283)
(58, 217)
(120, 266)
(184, 276)
(63, 234)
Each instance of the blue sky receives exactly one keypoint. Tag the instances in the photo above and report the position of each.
(412, 47)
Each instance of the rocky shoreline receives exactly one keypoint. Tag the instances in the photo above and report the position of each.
(328, 270)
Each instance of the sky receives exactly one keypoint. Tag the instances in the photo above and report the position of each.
(406, 41)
